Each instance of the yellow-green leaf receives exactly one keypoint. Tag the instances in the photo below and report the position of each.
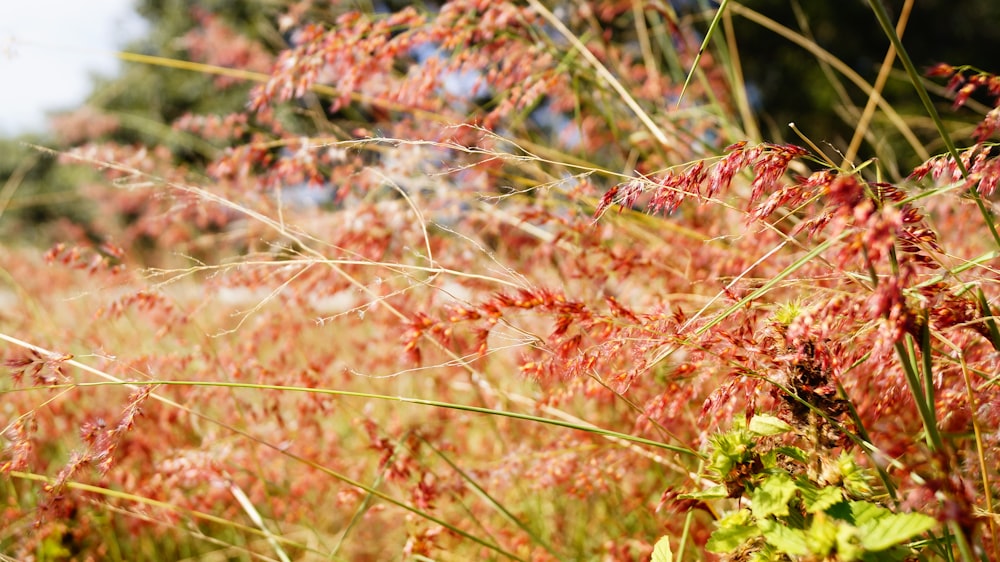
(662, 552)
(763, 424)
(895, 529)
(773, 495)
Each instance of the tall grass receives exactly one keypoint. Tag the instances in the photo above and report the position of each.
(502, 281)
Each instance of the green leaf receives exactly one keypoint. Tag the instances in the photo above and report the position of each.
(713, 493)
(863, 513)
(728, 539)
(894, 529)
(662, 552)
(785, 539)
(764, 425)
(848, 547)
(734, 529)
(822, 499)
(821, 537)
(773, 495)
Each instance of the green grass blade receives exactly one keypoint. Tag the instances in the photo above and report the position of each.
(987, 312)
(405, 399)
(166, 506)
(701, 50)
(771, 282)
(918, 85)
(928, 367)
(907, 354)
(482, 493)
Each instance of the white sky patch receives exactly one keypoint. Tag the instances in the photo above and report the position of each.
(50, 48)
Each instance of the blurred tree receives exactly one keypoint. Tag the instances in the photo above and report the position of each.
(142, 105)
(139, 106)
(147, 98)
(791, 87)
(36, 189)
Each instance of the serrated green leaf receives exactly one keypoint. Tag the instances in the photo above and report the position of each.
(863, 513)
(894, 529)
(785, 539)
(822, 499)
(729, 538)
(773, 495)
(736, 518)
(848, 547)
(764, 424)
(821, 537)
(841, 511)
(662, 552)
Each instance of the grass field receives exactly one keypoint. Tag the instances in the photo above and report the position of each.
(412, 303)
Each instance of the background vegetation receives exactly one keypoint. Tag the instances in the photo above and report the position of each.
(490, 280)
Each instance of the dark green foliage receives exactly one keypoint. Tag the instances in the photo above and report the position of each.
(147, 98)
(796, 513)
(792, 87)
(36, 189)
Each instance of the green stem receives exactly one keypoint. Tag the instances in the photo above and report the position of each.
(433, 403)
(906, 354)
